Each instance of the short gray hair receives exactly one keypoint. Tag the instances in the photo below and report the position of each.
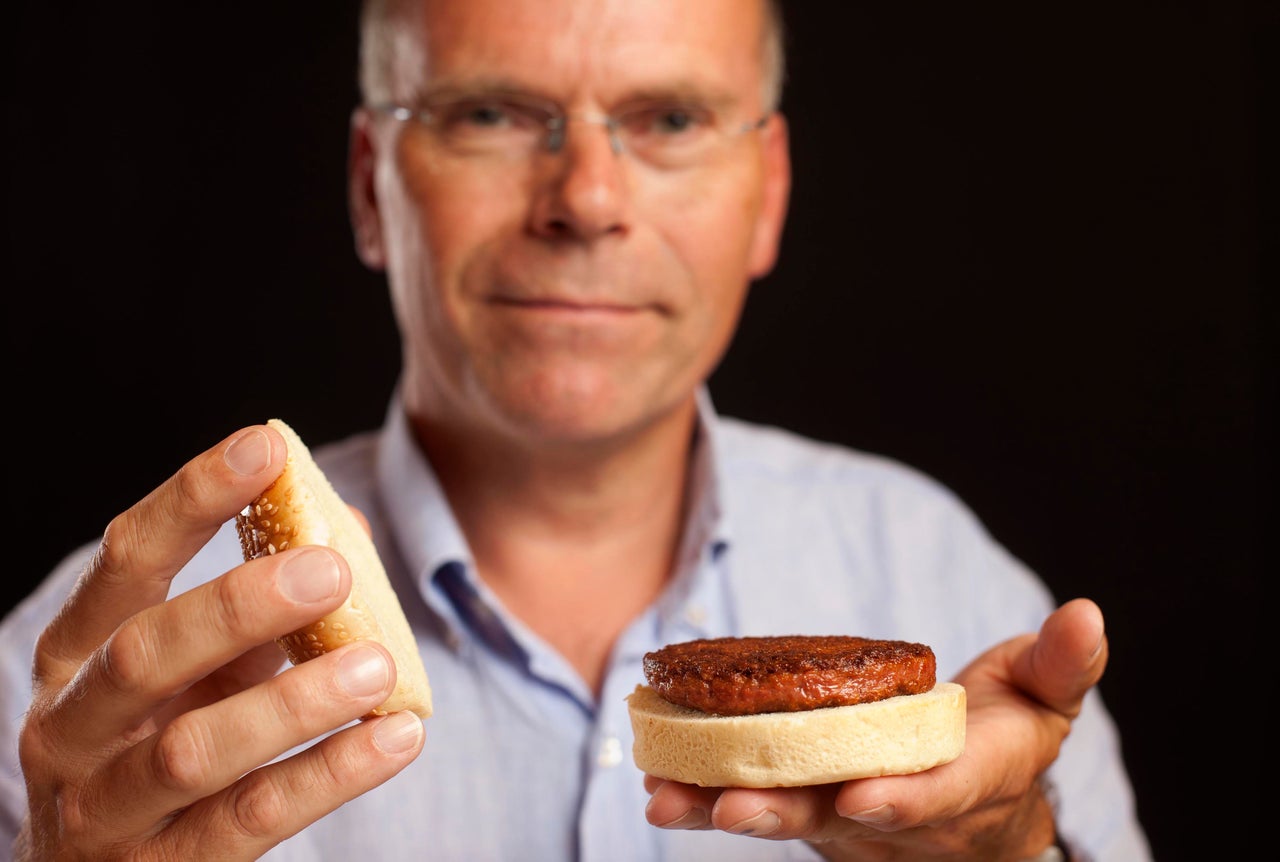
(379, 26)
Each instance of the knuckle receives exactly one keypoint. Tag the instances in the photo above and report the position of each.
(112, 561)
(182, 758)
(260, 807)
(186, 491)
(234, 606)
(291, 698)
(338, 763)
(189, 489)
(62, 826)
(35, 752)
(128, 541)
(46, 660)
(341, 764)
(128, 658)
(76, 828)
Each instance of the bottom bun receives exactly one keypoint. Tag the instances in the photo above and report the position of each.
(896, 736)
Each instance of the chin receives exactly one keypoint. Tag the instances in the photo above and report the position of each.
(569, 422)
(579, 409)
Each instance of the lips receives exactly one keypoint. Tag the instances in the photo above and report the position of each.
(553, 282)
(549, 325)
(567, 306)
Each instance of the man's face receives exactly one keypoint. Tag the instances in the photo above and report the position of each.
(577, 295)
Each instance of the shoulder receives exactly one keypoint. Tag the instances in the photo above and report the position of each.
(779, 484)
(350, 464)
(827, 536)
(757, 457)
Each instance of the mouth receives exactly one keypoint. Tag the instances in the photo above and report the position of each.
(563, 304)
(570, 308)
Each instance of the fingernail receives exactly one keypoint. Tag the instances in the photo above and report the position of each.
(398, 732)
(764, 823)
(880, 814)
(1097, 648)
(694, 818)
(362, 671)
(250, 453)
(309, 576)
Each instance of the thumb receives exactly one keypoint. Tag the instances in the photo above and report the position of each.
(1067, 659)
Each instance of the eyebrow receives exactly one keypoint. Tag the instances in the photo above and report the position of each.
(686, 91)
(716, 98)
(458, 88)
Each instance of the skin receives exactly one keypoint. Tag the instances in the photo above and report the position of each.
(558, 315)
(146, 712)
(986, 804)
(559, 312)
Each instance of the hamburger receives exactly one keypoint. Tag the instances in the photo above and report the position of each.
(793, 710)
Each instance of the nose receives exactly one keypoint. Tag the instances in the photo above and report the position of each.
(583, 182)
(557, 131)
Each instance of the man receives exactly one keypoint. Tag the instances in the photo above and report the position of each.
(570, 200)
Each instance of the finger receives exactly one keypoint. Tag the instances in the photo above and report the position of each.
(158, 653)
(1055, 669)
(673, 805)
(778, 813)
(893, 803)
(1022, 695)
(260, 663)
(145, 546)
(276, 801)
(943, 813)
(1067, 659)
(202, 752)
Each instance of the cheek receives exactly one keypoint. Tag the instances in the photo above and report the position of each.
(710, 229)
(439, 210)
(446, 219)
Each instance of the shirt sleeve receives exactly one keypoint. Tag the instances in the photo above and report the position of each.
(1093, 798)
(18, 632)
(842, 542)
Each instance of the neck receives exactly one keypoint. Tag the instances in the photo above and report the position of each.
(575, 540)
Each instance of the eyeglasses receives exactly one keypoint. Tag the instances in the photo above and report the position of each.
(664, 134)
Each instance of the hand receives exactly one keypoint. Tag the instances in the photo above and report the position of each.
(987, 804)
(154, 722)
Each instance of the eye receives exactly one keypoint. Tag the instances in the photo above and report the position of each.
(487, 115)
(483, 113)
(674, 120)
(666, 121)
(473, 114)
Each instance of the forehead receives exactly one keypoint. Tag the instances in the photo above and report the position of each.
(594, 49)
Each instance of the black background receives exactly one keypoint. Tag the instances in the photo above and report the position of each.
(1024, 255)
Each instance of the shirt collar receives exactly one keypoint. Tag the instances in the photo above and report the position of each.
(706, 530)
(422, 524)
(434, 549)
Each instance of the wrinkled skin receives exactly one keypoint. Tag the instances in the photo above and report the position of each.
(152, 719)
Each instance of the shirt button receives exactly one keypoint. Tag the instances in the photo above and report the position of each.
(610, 752)
(695, 615)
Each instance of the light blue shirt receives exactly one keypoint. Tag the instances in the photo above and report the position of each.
(785, 535)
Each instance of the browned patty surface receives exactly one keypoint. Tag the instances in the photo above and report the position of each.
(787, 673)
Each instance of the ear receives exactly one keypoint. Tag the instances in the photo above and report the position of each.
(775, 196)
(362, 197)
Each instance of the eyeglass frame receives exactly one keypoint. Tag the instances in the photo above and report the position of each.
(555, 125)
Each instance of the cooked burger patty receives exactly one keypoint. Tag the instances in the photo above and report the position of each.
(787, 673)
